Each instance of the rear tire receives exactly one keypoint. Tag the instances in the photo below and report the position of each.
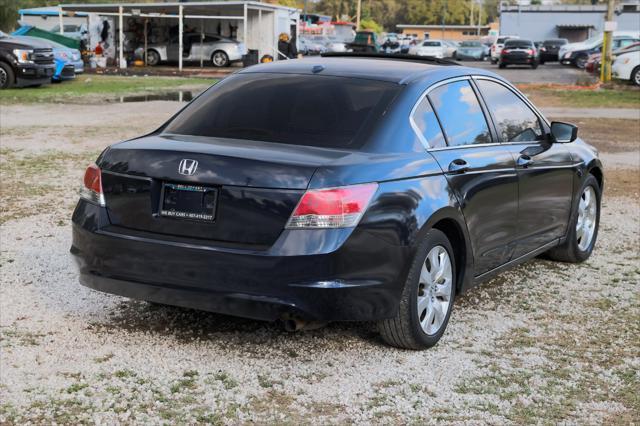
(534, 66)
(153, 58)
(574, 249)
(427, 298)
(220, 59)
(581, 61)
(7, 77)
(502, 66)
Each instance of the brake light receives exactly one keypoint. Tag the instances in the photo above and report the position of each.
(531, 52)
(505, 51)
(333, 207)
(92, 188)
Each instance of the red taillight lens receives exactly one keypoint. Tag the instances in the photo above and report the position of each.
(332, 208)
(505, 51)
(531, 52)
(92, 189)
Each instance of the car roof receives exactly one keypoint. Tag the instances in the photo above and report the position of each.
(401, 71)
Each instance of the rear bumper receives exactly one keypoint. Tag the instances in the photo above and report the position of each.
(329, 275)
(517, 60)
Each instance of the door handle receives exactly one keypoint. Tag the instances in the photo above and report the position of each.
(458, 166)
(524, 161)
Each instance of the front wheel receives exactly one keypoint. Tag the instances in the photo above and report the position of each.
(635, 76)
(6, 76)
(581, 61)
(427, 298)
(583, 226)
(220, 59)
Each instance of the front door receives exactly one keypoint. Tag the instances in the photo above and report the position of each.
(545, 170)
(480, 172)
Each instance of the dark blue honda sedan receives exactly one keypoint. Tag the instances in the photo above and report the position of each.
(338, 188)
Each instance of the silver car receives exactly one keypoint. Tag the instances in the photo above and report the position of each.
(218, 50)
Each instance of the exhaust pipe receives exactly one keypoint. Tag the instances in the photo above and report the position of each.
(292, 324)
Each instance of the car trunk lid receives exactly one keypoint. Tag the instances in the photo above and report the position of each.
(240, 193)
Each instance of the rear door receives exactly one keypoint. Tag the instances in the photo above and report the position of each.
(480, 172)
(545, 170)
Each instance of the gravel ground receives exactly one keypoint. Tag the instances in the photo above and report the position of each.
(544, 343)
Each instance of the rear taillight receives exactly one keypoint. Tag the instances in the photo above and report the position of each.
(333, 207)
(92, 188)
(505, 51)
(531, 52)
(493, 47)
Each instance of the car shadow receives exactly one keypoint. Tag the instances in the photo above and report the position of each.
(189, 325)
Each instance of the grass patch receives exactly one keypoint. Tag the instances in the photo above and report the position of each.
(584, 98)
(101, 86)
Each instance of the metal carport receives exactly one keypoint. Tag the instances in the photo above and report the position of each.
(260, 22)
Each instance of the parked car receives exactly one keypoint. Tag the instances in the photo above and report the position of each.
(429, 47)
(24, 62)
(450, 48)
(214, 49)
(309, 46)
(68, 61)
(326, 189)
(590, 44)
(579, 58)
(71, 30)
(335, 44)
(551, 49)
(593, 63)
(496, 47)
(472, 50)
(627, 66)
(519, 52)
(365, 41)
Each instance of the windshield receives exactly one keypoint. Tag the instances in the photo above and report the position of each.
(323, 111)
(431, 43)
(470, 44)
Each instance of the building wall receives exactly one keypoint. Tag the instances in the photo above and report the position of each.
(447, 34)
(544, 24)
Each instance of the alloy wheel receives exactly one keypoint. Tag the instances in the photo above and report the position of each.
(434, 290)
(587, 214)
(219, 59)
(636, 78)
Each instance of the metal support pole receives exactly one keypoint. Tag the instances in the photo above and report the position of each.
(146, 23)
(358, 10)
(60, 18)
(180, 30)
(201, 43)
(121, 36)
(605, 70)
(244, 27)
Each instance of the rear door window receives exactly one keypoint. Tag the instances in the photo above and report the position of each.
(460, 114)
(515, 121)
(323, 111)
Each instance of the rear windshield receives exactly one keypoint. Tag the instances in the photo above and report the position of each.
(555, 42)
(314, 110)
(431, 43)
(518, 43)
(470, 44)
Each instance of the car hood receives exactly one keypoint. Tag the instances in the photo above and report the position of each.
(19, 43)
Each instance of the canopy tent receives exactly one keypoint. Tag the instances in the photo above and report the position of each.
(260, 23)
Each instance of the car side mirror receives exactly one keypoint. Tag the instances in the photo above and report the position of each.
(563, 132)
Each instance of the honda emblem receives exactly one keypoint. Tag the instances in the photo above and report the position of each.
(187, 167)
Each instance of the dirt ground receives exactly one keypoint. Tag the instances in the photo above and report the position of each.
(543, 343)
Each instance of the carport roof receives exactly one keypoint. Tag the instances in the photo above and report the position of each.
(192, 8)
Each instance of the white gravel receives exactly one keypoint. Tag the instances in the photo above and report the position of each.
(70, 355)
